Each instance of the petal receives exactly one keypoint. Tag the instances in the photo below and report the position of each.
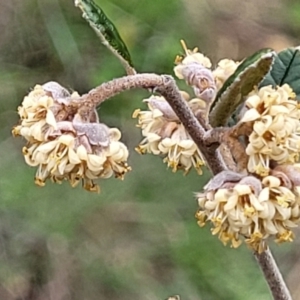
(114, 134)
(62, 165)
(253, 101)
(50, 119)
(271, 181)
(47, 147)
(118, 151)
(260, 127)
(242, 189)
(152, 137)
(231, 202)
(264, 195)
(187, 144)
(73, 156)
(222, 195)
(66, 139)
(255, 203)
(270, 227)
(250, 115)
(95, 162)
(82, 153)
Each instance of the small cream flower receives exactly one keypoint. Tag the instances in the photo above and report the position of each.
(256, 214)
(192, 56)
(226, 67)
(36, 113)
(165, 135)
(274, 116)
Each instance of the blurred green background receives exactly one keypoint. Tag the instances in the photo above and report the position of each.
(138, 239)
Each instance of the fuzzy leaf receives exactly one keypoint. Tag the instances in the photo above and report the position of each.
(107, 32)
(248, 74)
(286, 69)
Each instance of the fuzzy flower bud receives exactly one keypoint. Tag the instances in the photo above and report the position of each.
(195, 69)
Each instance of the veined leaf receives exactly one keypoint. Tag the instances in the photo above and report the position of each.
(248, 74)
(107, 32)
(286, 69)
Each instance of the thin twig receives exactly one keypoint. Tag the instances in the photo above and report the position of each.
(111, 88)
(272, 275)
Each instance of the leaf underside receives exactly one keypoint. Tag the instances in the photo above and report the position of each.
(286, 69)
(107, 32)
(232, 94)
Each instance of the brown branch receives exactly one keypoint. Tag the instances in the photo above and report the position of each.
(214, 135)
(109, 89)
(272, 275)
(232, 151)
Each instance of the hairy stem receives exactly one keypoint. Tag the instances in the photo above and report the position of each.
(272, 275)
(109, 89)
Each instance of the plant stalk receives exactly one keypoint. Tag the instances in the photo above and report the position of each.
(272, 275)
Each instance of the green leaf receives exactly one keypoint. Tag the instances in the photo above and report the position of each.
(286, 69)
(248, 74)
(107, 32)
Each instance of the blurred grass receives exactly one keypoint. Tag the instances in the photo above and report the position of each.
(138, 239)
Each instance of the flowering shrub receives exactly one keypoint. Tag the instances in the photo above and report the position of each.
(241, 121)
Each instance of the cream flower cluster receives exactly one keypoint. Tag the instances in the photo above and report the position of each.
(165, 135)
(225, 68)
(273, 115)
(243, 211)
(64, 149)
(269, 208)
